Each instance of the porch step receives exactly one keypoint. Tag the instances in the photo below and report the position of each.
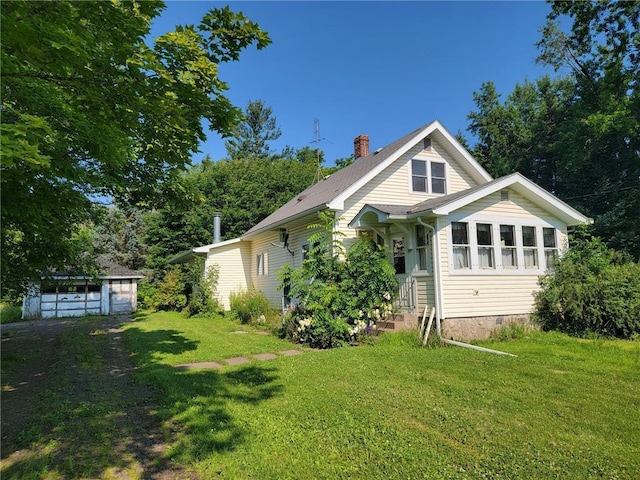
(398, 322)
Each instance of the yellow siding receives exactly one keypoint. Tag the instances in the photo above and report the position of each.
(393, 185)
(481, 295)
(425, 294)
(516, 206)
(233, 263)
(276, 256)
(469, 295)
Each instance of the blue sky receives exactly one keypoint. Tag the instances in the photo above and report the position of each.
(376, 68)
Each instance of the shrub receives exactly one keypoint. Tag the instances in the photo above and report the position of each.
(592, 290)
(10, 313)
(202, 288)
(169, 294)
(318, 329)
(249, 306)
(342, 293)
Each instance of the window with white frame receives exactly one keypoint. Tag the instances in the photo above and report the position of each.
(530, 247)
(423, 249)
(523, 248)
(428, 176)
(438, 177)
(550, 246)
(508, 246)
(262, 264)
(484, 236)
(461, 245)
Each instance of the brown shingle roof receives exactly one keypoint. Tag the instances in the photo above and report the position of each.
(112, 269)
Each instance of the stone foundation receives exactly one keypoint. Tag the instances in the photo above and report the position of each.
(479, 328)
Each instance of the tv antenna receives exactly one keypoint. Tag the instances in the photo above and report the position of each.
(316, 127)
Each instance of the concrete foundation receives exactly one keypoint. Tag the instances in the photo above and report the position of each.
(479, 328)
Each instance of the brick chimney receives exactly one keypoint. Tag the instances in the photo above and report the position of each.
(361, 146)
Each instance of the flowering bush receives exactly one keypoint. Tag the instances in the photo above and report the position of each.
(318, 330)
(342, 294)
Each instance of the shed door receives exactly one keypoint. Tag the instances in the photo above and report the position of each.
(120, 296)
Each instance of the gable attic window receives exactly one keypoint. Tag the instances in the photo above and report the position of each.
(426, 143)
(428, 176)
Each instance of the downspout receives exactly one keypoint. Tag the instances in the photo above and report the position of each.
(437, 277)
(452, 342)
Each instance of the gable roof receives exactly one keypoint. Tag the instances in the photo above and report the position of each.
(335, 189)
(449, 203)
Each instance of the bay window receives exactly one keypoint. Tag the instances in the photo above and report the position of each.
(522, 249)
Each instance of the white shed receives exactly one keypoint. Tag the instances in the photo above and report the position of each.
(114, 291)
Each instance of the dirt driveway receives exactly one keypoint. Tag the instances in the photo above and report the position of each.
(71, 407)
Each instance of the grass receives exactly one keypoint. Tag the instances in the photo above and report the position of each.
(564, 408)
(168, 338)
(10, 313)
(79, 422)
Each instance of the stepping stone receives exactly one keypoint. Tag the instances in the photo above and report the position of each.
(239, 332)
(290, 353)
(260, 332)
(264, 356)
(192, 366)
(236, 360)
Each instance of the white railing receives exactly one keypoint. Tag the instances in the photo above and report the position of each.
(406, 300)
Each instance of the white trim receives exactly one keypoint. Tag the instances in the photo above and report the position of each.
(338, 202)
(428, 176)
(557, 207)
(211, 246)
(495, 222)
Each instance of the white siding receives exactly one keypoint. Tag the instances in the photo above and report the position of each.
(233, 262)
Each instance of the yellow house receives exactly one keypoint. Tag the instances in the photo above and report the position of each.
(469, 245)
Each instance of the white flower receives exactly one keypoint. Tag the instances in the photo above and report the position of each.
(387, 296)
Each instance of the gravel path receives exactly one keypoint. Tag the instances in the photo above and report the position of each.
(39, 370)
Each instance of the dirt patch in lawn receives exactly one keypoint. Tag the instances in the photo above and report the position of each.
(72, 408)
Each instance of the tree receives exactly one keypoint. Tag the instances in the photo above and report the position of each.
(88, 109)
(578, 136)
(521, 133)
(251, 138)
(602, 49)
(243, 191)
(119, 237)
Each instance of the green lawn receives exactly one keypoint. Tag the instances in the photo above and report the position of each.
(564, 408)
